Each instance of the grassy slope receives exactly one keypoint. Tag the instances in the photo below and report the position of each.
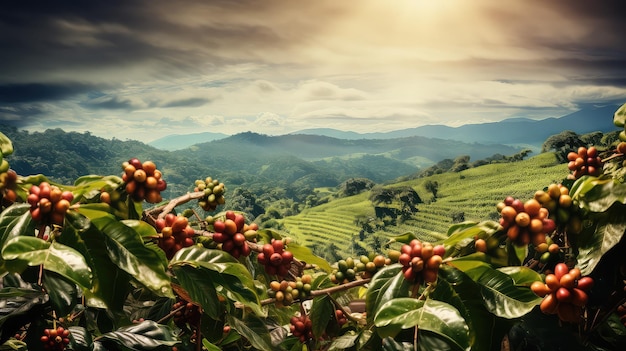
(475, 192)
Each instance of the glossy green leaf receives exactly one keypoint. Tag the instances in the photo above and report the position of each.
(209, 346)
(234, 279)
(597, 194)
(15, 302)
(322, 312)
(387, 284)
(258, 341)
(199, 285)
(15, 221)
(460, 241)
(6, 146)
(522, 276)
(54, 257)
(500, 294)
(305, 254)
(127, 250)
(144, 229)
(109, 283)
(80, 339)
(345, 341)
(63, 294)
(147, 335)
(596, 240)
(431, 315)
(619, 117)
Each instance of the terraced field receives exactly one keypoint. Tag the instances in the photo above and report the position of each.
(473, 192)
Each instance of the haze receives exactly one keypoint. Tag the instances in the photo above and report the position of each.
(145, 69)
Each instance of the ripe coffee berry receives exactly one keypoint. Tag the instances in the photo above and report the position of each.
(564, 293)
(232, 234)
(275, 259)
(525, 222)
(143, 181)
(175, 233)
(421, 261)
(48, 203)
(584, 162)
(55, 339)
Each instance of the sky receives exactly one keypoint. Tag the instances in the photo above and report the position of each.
(148, 68)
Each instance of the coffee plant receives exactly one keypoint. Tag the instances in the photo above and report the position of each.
(107, 263)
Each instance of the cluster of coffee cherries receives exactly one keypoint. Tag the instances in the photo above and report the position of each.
(55, 339)
(525, 222)
(8, 183)
(286, 292)
(349, 269)
(421, 261)
(213, 193)
(558, 202)
(301, 327)
(48, 203)
(547, 251)
(187, 313)
(275, 259)
(175, 233)
(564, 293)
(584, 162)
(143, 181)
(232, 234)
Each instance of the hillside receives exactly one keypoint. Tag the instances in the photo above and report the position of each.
(472, 193)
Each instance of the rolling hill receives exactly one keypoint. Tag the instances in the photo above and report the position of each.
(471, 194)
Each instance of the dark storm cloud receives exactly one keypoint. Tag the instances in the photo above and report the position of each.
(191, 102)
(29, 92)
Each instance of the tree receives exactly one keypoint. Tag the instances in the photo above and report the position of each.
(562, 143)
(432, 186)
(105, 263)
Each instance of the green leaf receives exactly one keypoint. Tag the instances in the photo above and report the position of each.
(522, 276)
(15, 221)
(596, 240)
(109, 284)
(597, 194)
(619, 118)
(6, 146)
(127, 250)
(54, 257)
(486, 329)
(147, 335)
(258, 341)
(431, 315)
(306, 255)
(198, 284)
(322, 312)
(209, 346)
(15, 302)
(345, 341)
(387, 284)
(63, 294)
(225, 271)
(501, 296)
(80, 339)
(461, 240)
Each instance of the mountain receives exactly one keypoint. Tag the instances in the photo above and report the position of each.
(182, 141)
(514, 131)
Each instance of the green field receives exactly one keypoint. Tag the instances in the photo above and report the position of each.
(473, 192)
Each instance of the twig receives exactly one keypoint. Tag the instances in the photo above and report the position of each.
(330, 290)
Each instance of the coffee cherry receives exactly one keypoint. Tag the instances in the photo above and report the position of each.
(187, 313)
(213, 193)
(175, 233)
(527, 222)
(564, 293)
(301, 327)
(143, 181)
(55, 339)
(229, 234)
(48, 204)
(584, 162)
(421, 261)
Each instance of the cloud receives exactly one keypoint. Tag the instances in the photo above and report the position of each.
(32, 92)
(318, 90)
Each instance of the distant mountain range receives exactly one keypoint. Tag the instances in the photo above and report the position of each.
(518, 132)
(182, 141)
